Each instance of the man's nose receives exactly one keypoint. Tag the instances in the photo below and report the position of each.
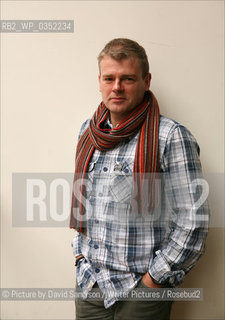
(117, 86)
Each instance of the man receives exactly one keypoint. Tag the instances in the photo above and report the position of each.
(135, 194)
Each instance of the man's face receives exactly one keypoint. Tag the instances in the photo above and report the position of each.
(122, 86)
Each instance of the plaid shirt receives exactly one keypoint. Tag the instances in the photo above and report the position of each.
(118, 248)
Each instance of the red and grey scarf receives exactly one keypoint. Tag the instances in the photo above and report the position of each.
(145, 118)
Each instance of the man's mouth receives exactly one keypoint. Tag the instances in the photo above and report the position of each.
(117, 99)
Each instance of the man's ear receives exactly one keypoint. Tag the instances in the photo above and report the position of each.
(147, 81)
(99, 82)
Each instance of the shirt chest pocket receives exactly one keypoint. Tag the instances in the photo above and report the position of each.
(121, 182)
(112, 182)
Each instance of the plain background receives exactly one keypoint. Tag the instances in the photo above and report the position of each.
(49, 87)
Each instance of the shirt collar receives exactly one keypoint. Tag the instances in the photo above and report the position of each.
(108, 124)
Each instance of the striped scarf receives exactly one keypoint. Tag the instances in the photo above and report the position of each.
(145, 118)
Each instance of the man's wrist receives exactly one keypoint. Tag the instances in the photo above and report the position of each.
(153, 280)
(78, 258)
(147, 280)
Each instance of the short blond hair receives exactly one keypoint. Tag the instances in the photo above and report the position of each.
(122, 48)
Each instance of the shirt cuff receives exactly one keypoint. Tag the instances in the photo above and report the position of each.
(162, 274)
(76, 245)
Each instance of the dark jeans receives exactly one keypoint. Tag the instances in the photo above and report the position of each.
(123, 310)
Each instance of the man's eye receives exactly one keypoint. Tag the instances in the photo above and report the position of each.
(108, 79)
(129, 79)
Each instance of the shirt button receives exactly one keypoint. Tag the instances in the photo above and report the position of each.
(96, 246)
(97, 270)
(100, 194)
(91, 199)
(126, 170)
(105, 169)
(96, 221)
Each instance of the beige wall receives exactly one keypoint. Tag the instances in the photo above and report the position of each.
(49, 87)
